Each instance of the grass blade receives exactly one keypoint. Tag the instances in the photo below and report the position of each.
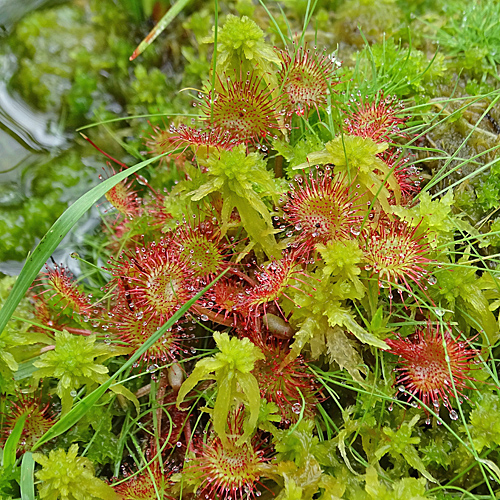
(76, 413)
(9, 451)
(27, 482)
(55, 235)
(162, 24)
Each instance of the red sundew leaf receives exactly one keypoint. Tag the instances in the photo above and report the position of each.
(305, 79)
(433, 365)
(378, 119)
(321, 207)
(243, 108)
(396, 253)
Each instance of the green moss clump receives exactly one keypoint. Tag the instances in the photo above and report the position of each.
(26, 218)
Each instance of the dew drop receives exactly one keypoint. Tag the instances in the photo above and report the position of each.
(432, 280)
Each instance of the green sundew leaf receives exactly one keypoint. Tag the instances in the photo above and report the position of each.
(123, 391)
(250, 388)
(55, 235)
(9, 450)
(27, 482)
(162, 24)
(77, 412)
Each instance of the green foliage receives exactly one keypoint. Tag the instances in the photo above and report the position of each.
(402, 442)
(232, 367)
(472, 32)
(488, 192)
(355, 157)
(463, 292)
(66, 476)
(61, 57)
(75, 361)
(399, 70)
(243, 182)
(53, 184)
(95, 428)
(297, 443)
(241, 40)
(297, 153)
(407, 488)
(485, 421)
(433, 216)
(15, 336)
(364, 443)
(150, 91)
(357, 20)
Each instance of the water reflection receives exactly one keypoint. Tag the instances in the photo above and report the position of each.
(12, 11)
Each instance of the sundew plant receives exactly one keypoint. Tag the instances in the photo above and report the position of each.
(294, 294)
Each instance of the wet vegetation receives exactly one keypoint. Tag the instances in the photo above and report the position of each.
(274, 268)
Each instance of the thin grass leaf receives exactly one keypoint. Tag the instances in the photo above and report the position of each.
(78, 411)
(27, 482)
(9, 450)
(162, 24)
(54, 236)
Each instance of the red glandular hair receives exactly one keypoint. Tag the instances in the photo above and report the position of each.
(224, 299)
(135, 326)
(243, 107)
(432, 362)
(306, 78)
(377, 118)
(145, 486)
(64, 289)
(322, 208)
(154, 279)
(201, 247)
(286, 382)
(123, 198)
(273, 281)
(38, 421)
(182, 137)
(396, 254)
(231, 471)
(407, 175)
